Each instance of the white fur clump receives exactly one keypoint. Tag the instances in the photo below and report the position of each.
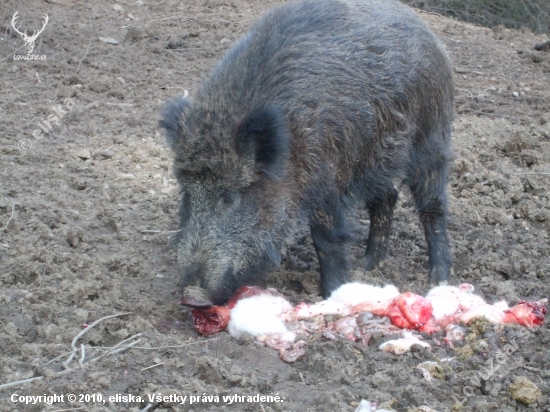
(366, 406)
(354, 293)
(325, 307)
(452, 300)
(493, 313)
(259, 315)
(402, 345)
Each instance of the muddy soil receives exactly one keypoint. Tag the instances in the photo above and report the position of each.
(86, 204)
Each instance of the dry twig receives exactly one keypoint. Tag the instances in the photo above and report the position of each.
(77, 337)
(11, 217)
(110, 350)
(152, 366)
(10, 384)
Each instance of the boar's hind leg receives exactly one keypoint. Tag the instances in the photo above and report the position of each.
(381, 214)
(328, 230)
(428, 188)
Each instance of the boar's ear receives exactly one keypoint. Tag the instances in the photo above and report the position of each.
(264, 135)
(172, 120)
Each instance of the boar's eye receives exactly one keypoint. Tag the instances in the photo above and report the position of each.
(228, 200)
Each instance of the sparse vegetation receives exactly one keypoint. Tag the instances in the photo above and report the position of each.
(514, 14)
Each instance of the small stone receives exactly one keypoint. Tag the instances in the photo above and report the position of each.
(387, 404)
(117, 7)
(83, 154)
(133, 35)
(108, 40)
(81, 315)
(107, 154)
(464, 352)
(530, 157)
(175, 44)
(74, 237)
(515, 94)
(523, 390)
(435, 369)
(80, 184)
(126, 176)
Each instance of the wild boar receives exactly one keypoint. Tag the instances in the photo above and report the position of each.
(322, 103)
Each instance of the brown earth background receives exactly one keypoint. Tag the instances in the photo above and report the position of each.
(84, 212)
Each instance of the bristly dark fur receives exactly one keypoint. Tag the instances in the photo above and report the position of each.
(264, 135)
(321, 100)
(172, 113)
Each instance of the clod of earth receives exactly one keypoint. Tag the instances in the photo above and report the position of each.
(433, 370)
(544, 46)
(362, 310)
(524, 390)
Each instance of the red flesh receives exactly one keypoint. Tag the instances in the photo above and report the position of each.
(406, 311)
(526, 313)
(216, 318)
(212, 320)
(411, 310)
(243, 292)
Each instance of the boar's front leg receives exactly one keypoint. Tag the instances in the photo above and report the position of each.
(328, 230)
(381, 215)
(428, 187)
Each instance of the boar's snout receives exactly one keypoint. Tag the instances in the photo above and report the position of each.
(195, 297)
(202, 288)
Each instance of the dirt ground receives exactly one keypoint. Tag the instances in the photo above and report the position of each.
(85, 209)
